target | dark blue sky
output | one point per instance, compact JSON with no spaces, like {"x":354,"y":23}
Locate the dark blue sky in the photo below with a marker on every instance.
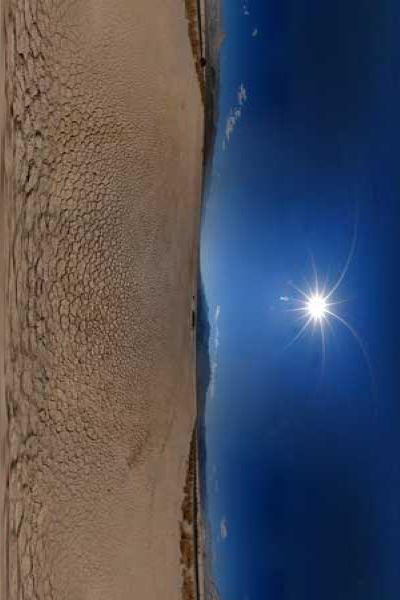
{"x":304,"y":458}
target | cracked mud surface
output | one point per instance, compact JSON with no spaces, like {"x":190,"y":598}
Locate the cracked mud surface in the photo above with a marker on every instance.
{"x":99,"y":208}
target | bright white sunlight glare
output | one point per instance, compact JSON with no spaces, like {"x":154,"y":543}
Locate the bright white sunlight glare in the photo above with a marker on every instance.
{"x":317,"y":307}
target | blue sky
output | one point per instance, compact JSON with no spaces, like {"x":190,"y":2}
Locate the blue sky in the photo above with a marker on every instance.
{"x":304,"y":457}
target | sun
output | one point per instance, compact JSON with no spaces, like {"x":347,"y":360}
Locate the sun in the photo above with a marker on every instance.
{"x":317,"y":307}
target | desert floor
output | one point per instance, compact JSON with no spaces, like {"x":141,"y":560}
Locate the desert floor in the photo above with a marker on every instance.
{"x":102,"y":129}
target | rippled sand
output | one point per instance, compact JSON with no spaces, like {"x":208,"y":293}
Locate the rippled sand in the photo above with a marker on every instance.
{"x":99,"y":213}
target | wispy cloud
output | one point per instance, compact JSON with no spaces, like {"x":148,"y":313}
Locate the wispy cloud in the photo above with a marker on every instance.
{"x":215,"y":341}
{"x":223,"y":529}
{"x":245,"y":7}
{"x":231,"y":121}
{"x":216,"y":317}
{"x":235,"y":114}
{"x":254,"y":33}
{"x":241,"y":95}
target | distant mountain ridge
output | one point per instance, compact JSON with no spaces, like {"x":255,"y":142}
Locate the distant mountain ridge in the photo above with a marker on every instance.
{"x":214,"y":38}
{"x":204,"y":373}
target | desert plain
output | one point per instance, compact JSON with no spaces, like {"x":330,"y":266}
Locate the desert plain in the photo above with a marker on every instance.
{"x":101,"y":167}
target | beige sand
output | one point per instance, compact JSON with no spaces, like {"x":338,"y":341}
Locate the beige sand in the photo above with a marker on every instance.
{"x":99,"y":217}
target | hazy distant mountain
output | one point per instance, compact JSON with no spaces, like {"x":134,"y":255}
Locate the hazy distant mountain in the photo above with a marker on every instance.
{"x":214,"y":39}
{"x":212,"y":592}
{"x":203,"y":353}
{"x":203,"y":382}
{"x":215,"y":31}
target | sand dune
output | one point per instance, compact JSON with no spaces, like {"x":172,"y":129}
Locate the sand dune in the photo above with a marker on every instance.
{"x":101,"y":177}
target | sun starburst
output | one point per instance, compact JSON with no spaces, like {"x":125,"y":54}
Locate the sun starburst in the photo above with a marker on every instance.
{"x":317,"y":306}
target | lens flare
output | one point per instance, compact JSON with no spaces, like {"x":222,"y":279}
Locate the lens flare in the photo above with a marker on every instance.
{"x":317,"y":306}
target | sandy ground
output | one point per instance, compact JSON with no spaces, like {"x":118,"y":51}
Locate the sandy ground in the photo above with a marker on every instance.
{"x":101,"y":177}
